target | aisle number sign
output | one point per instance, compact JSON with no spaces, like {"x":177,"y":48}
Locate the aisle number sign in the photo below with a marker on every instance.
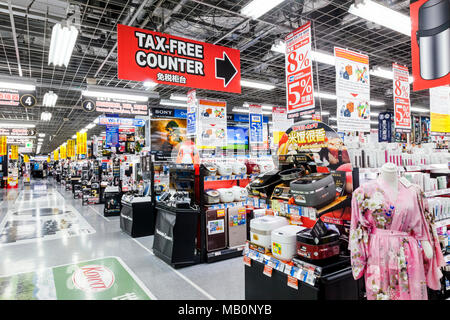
{"x":401,"y":98}
{"x":3,"y":146}
{"x":299,"y":80}
{"x":71,"y":148}
{"x":14,"y":152}
{"x":63,"y":152}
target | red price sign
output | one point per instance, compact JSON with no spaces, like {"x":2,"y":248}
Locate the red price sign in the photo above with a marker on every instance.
{"x":401,"y":98}
{"x":299,"y":80}
{"x":268,"y":270}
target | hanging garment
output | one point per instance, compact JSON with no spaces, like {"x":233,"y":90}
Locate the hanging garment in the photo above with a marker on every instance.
{"x":384,"y":245}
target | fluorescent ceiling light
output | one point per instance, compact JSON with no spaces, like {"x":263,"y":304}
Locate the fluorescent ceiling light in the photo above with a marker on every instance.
{"x":41,"y":135}
{"x":373,"y":122}
{"x":324,"y":113}
{"x":74,"y":136}
{"x":16,"y":125}
{"x":325,"y":95}
{"x":83,"y":130}
{"x":376,"y":103}
{"x":319,"y":56}
{"x":17,"y":86}
{"x":40,"y":139}
{"x":62,"y":44}
{"x":417,"y":109}
{"x":179,"y":97}
{"x":384,"y":73}
{"x":257,"y":84}
{"x":90,"y":126}
{"x":240,"y":110}
{"x":307,"y":116}
{"x":165,"y":102}
{"x":263,"y":106}
{"x":50,"y":99}
{"x":382,"y":15}
{"x":114,"y":95}
{"x":332,"y":118}
{"x":46,"y":116}
{"x":256,"y":8}
{"x":149,"y":84}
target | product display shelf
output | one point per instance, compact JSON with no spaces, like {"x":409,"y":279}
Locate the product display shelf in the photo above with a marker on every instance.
{"x":226,"y":205}
{"x":223,"y":178}
{"x":442,"y":223}
{"x":227,"y":253}
{"x":440,"y":192}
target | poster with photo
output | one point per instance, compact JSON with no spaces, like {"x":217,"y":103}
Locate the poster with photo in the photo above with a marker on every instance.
{"x":166,"y":135}
{"x":212,"y":124}
{"x":352,"y":90}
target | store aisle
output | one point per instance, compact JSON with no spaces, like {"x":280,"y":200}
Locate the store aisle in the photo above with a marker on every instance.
{"x":42,"y":226}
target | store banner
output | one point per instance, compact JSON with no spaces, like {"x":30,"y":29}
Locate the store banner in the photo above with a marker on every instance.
{"x":70,"y":148}
{"x":352,"y":90}
{"x":63,"y":152}
{"x":385,"y":127}
{"x":440,"y":110}
{"x":212,"y":124}
{"x":148,"y":55}
{"x":430,"y":37}
{"x":191,"y":129}
{"x":256,"y":124}
{"x":56,"y":155}
{"x":17,"y":132}
{"x":280,"y":123}
{"x":117,"y":106}
{"x":14,"y":152}
{"x":81,"y":143}
{"x":116,"y":121}
{"x":26,"y":159}
{"x":3,"y":146}
{"x":402,"y":104}
{"x":15,"y":98}
{"x":112,"y":136}
{"x":299,"y":76}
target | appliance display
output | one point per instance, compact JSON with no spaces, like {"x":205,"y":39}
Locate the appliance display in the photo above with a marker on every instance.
{"x":284,"y":242}
{"x":225,"y":169}
{"x":264,"y":184}
{"x":261,"y":229}
{"x":239,"y":168}
{"x":240,"y":194}
{"x":311,"y":247}
{"x":226,"y":195}
{"x":216,"y":236}
{"x":237,"y":226}
{"x":212,"y":196}
{"x":314,"y":190}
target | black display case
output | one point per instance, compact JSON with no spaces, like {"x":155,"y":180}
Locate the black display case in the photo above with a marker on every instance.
{"x":137,"y":216}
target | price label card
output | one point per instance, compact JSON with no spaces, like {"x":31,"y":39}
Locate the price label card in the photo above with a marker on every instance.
{"x":268,"y":270}
{"x":247,"y":261}
{"x":292,"y":282}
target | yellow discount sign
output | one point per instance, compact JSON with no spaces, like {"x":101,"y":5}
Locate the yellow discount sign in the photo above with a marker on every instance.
{"x":63,"y":152}
{"x":71,"y":148}
{"x":3,"y":146}
{"x":56,"y":155}
{"x":26,"y":159}
{"x":81,"y":142}
{"x":14,"y":152}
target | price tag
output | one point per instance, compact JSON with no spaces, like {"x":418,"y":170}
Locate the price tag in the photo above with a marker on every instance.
{"x":268,"y":270}
{"x":296,"y":219}
{"x":292,"y":282}
{"x":247,"y":261}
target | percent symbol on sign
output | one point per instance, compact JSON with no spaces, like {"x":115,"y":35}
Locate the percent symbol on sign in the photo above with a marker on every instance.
{"x":306,"y":85}
{"x":302,"y":59}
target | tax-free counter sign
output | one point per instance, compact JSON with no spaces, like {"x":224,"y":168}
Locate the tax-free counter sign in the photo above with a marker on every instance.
{"x":145,"y":55}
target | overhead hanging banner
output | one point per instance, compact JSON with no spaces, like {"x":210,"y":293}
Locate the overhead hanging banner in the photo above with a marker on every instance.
{"x":145,"y":55}
{"x":401,"y":98}
{"x":280,"y":123}
{"x":352,"y":90}
{"x":110,"y":105}
{"x":15,"y":98}
{"x":26,"y":158}
{"x":81,"y":143}
{"x":212,"y":124}
{"x":14,"y":152}
{"x":440,"y":110}
{"x":299,"y":77}
{"x":70,"y":148}
{"x":430,"y":38}
{"x":63,"y":152}
{"x":17,"y":132}
{"x":385,"y":127}
{"x":256,"y":124}
{"x":3,"y":146}
{"x":191,"y":128}
{"x":56,"y":155}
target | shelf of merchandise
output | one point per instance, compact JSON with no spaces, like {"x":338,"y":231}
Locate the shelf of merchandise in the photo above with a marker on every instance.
{"x":224,"y":178}
{"x":425,"y":167}
{"x":226,"y":205}
{"x":436,"y":193}
{"x":224,"y":254}
{"x":442,"y":223}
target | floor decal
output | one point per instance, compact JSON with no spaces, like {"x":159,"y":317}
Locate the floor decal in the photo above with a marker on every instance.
{"x":100,"y":279}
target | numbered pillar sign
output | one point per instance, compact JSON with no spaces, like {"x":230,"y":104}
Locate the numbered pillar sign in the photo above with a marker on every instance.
{"x":27,"y":100}
{"x":88,"y":105}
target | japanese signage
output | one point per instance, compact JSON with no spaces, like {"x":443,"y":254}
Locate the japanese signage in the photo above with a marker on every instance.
{"x":430,"y":55}
{"x":440,"y":110}
{"x":63,"y":152}
{"x":385,"y":127}
{"x":120,"y":106}
{"x":15,"y":98}
{"x":401,"y":98}
{"x":112,"y":121}
{"x":191,"y":113}
{"x":112,"y":136}
{"x":147,"y":55}
{"x":56,"y":155}
{"x":212,"y":124}
{"x":256,"y":124}
{"x":81,"y":143}
{"x":280,"y":123}
{"x":352,"y":90}
{"x":14,"y":152}
{"x":26,"y":159}
{"x":299,"y":80}
{"x":3,"y":146}
{"x":70,"y":148}
{"x":100,"y":279}
{"x":17,"y":132}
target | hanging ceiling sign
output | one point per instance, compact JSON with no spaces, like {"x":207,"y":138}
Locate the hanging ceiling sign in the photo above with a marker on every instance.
{"x":401,"y":98}
{"x":145,"y":55}
{"x":111,"y":121}
{"x":109,"y":105}
{"x":15,"y":98}
{"x":17,"y":132}
{"x":440,"y":110}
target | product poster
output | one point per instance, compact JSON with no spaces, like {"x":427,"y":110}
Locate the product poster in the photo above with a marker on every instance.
{"x":256,"y":124}
{"x":299,"y":77}
{"x":401,"y":98}
{"x":425,"y":129}
{"x":112,"y":136}
{"x":280,"y":123}
{"x":430,"y":37}
{"x":166,"y":135}
{"x":385,"y":127}
{"x":440,"y":110}
{"x":212,"y":124}
{"x":14,"y":152}
{"x":191,"y":129}
{"x":237,"y":137}
{"x":3,"y":146}
{"x":216,"y":226}
{"x":100,"y":279}
{"x":352,"y":90}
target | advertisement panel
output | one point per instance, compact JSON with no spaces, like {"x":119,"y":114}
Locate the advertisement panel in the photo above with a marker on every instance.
{"x":280,"y":123}
{"x":112,"y":105}
{"x":145,"y":55}
{"x":430,"y":38}
{"x":212,"y":124}
{"x":191,"y":113}
{"x":352,"y":90}
{"x":81,"y":143}
{"x":401,"y":98}
{"x":14,"y":152}
{"x":15,"y":98}
{"x":116,"y":121}
{"x":112,"y":136}
{"x":385,"y":127}
{"x":299,"y":79}
{"x":166,"y":136}
{"x":56,"y":155}
{"x":3,"y":146}
{"x":440,"y":110}
{"x":70,"y":148}
{"x":63,"y":152}
{"x":256,"y":124}
{"x":17,"y":132}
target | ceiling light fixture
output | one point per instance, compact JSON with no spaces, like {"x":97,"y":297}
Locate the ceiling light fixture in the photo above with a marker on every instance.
{"x":17,"y":86}
{"x":382,"y":15}
{"x":257,"y":8}
{"x":257,"y":84}
{"x":74,"y":136}
{"x":50,"y":99}
{"x":384,"y":73}
{"x":418,"y":109}
{"x":165,"y":102}
{"x":62,"y":43}
{"x":16,"y":125}
{"x":41,"y":135}
{"x":149,"y":84}
{"x":46,"y":116}
{"x":263,"y":106}
{"x":114,"y":95}
{"x":179,"y":97}
{"x":90,"y":126}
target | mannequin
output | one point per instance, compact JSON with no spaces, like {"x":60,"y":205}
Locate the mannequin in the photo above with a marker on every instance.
{"x":389,"y":174}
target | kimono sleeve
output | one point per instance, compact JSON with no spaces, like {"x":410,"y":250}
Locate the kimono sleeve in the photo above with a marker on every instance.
{"x":359,"y":235}
{"x":426,"y":231}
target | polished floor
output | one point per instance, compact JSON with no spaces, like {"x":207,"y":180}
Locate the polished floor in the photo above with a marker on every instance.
{"x":88,"y":235}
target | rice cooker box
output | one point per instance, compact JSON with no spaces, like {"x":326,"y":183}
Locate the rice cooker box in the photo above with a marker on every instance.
{"x":284,"y":242}
{"x":312,"y":248}
{"x":314,"y":190}
{"x":261,"y":229}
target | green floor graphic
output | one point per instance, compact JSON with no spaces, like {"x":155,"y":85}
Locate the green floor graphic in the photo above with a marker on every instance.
{"x":99,"y":279}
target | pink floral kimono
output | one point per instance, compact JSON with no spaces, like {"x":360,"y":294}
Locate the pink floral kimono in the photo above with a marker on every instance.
{"x":384,"y":244}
